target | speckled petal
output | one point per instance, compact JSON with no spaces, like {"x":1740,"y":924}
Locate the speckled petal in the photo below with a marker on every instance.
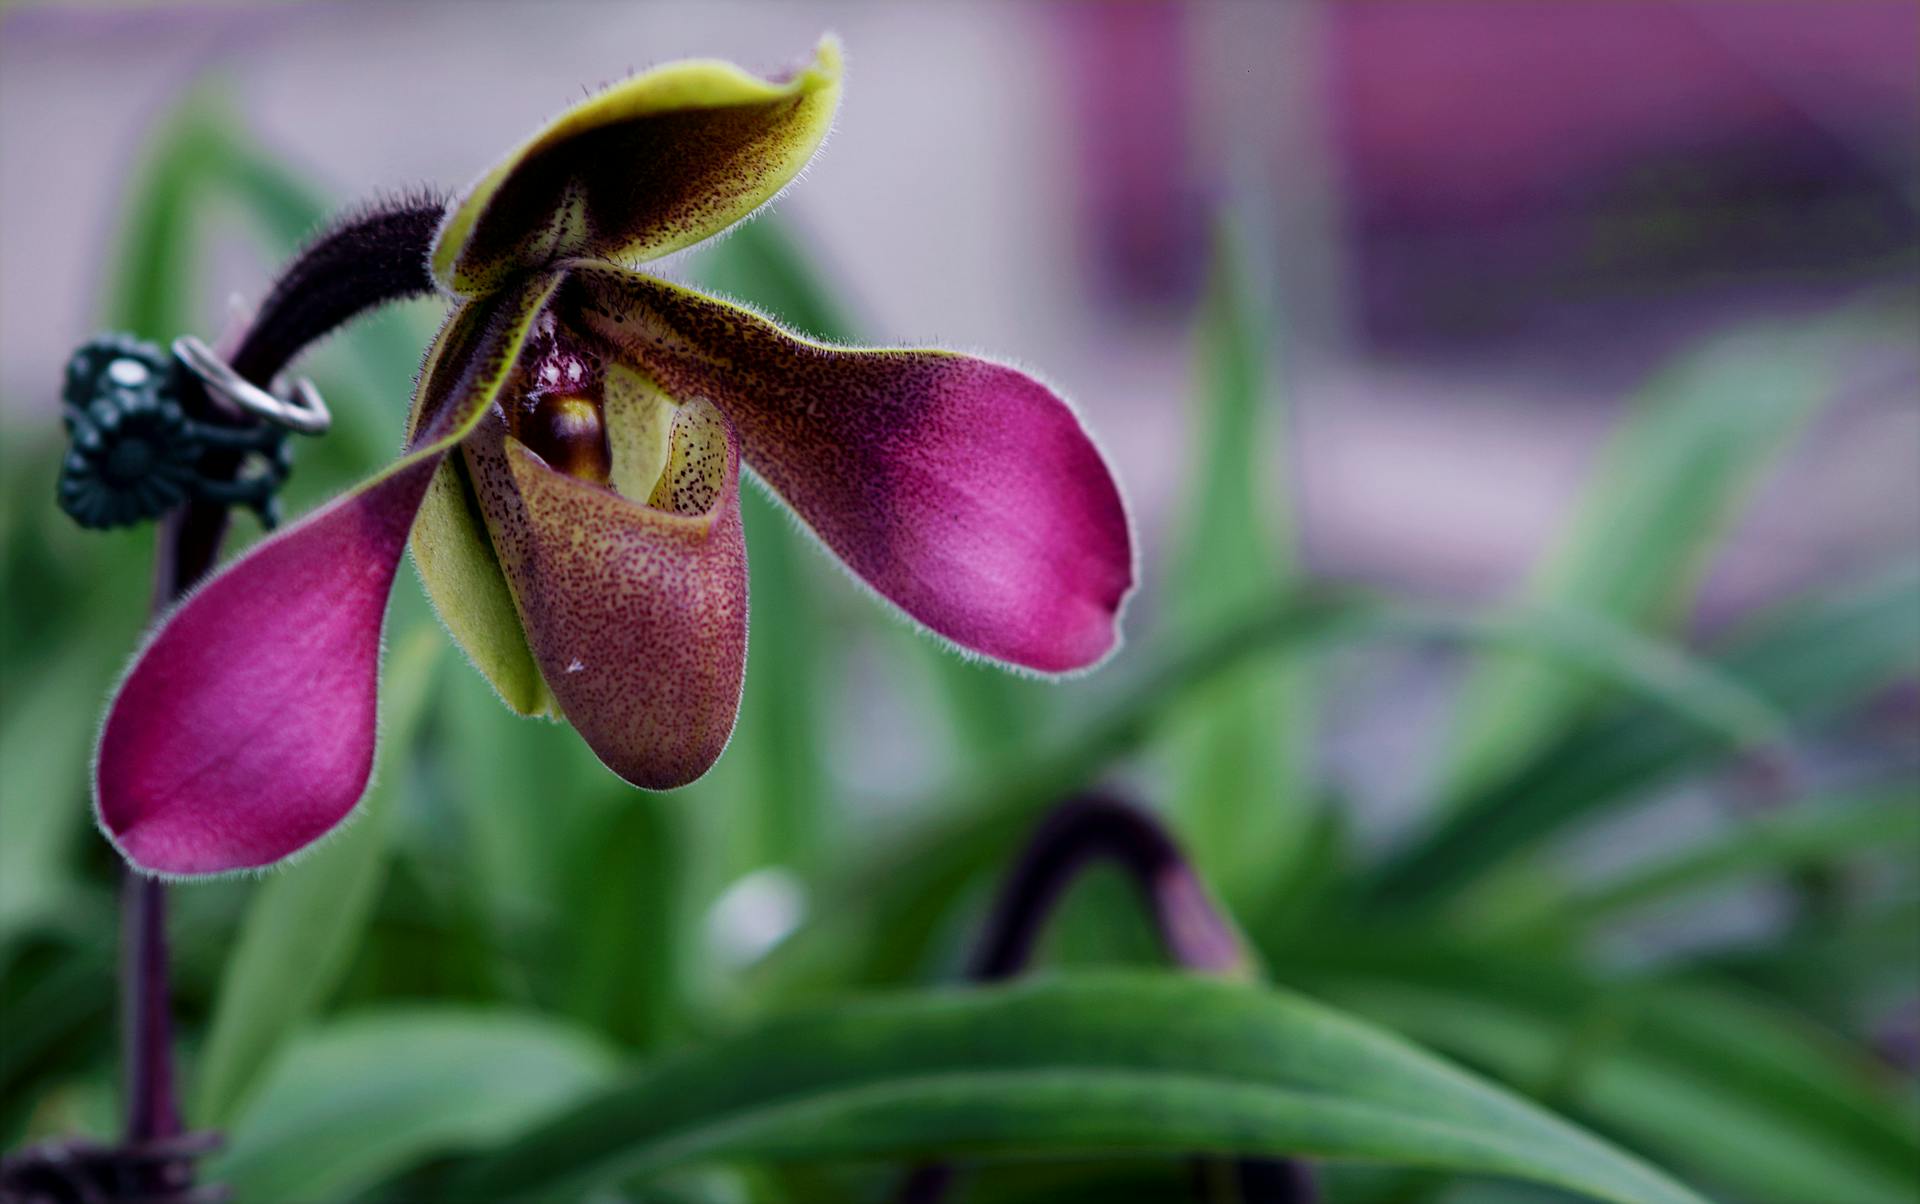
{"x":652,"y":164}
{"x":965,"y":491}
{"x":245,"y":729}
{"x":637,"y":613}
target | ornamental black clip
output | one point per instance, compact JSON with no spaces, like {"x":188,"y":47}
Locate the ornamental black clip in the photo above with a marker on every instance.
{"x":137,"y":452}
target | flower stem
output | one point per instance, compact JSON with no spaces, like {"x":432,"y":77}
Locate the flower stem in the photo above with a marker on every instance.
{"x":364,"y":261}
{"x":153,"y":1110}
{"x":1071,"y":839}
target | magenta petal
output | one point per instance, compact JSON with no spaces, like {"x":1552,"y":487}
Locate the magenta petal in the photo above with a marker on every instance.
{"x":965,"y":491}
{"x":245,"y":730}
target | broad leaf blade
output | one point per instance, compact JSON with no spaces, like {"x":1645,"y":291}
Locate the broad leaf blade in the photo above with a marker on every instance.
{"x":1133,"y":1063}
{"x":1704,"y":1078}
{"x":374,"y":1094}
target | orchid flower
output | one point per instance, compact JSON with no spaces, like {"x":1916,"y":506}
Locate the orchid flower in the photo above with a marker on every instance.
{"x":570,"y":492}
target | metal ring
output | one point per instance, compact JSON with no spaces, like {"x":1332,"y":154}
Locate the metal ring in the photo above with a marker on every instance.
{"x":305,"y":412}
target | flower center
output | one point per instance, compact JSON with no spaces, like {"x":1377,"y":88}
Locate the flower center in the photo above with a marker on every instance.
{"x":563,"y":417}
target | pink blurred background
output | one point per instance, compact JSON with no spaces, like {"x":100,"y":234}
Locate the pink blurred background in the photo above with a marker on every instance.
{"x":1487,"y":222}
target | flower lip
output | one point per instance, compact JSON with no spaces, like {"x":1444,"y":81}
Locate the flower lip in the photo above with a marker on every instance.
{"x":634,"y":608}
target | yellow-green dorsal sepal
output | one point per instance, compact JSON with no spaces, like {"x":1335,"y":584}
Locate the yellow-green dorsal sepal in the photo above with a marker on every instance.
{"x":654,"y":163}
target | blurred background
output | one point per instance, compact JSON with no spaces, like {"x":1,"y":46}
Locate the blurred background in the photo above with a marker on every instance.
{"x":1564,"y":357}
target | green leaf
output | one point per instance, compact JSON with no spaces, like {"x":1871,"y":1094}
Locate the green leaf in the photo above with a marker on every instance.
{"x":305,"y":921}
{"x":373,"y":1094}
{"x":1812,"y":832}
{"x":1805,"y":660}
{"x":1709,"y":1080}
{"x":46,"y":749}
{"x":1827,"y":968}
{"x":782,"y":726}
{"x":504,"y":810}
{"x":1109,"y":1063}
{"x":627,"y":933}
{"x":882,"y":917}
{"x":1593,"y":650}
{"x":885,"y":918}
{"x":55,"y":1009}
{"x":1241,"y":746}
{"x":1666,"y":489}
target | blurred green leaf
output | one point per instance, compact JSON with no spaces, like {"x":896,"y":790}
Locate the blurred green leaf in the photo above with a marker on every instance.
{"x":1807,"y":659}
{"x":1813,"y":831}
{"x":1674,"y":475}
{"x":1741,"y":1092}
{"x":1592,"y":650}
{"x":782,"y":730}
{"x":370,"y":1095}
{"x":628,"y":933}
{"x":762,"y":263}
{"x":1835,"y":971}
{"x":511,"y":799}
{"x":885,"y":918}
{"x":1144,"y":1063}
{"x":56,"y":1009}
{"x":780,"y":800}
{"x":46,"y":750}
{"x":882,"y":915}
{"x":1241,"y":746}
{"x":305,"y":921}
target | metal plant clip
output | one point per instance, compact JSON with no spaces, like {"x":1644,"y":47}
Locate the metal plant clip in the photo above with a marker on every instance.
{"x":137,"y":452}
{"x":306,"y":412}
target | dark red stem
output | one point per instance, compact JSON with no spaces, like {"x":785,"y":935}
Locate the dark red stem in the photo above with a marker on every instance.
{"x":1072,"y":838}
{"x":153,"y":1112}
{"x":366,"y":259}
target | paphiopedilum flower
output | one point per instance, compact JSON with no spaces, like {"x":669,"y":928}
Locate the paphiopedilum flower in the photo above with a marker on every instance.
{"x":570,"y":490}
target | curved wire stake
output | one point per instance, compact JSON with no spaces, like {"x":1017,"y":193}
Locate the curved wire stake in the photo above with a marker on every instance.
{"x":306,"y":412}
